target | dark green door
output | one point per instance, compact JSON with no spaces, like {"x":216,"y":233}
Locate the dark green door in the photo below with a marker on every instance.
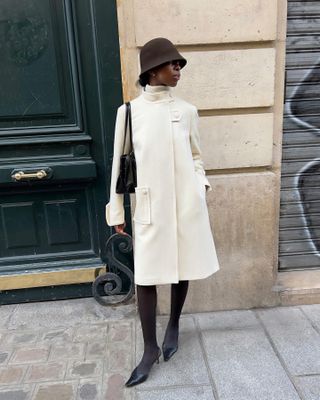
{"x":60,"y":85}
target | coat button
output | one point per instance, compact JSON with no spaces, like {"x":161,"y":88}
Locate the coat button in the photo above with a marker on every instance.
{"x":145,"y":191}
{"x":175,"y":115}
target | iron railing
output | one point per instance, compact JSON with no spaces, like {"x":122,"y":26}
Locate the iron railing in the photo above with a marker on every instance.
{"x":111,"y":283}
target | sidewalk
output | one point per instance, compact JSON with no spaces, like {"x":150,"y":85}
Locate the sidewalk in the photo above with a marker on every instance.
{"x":77,"y":349}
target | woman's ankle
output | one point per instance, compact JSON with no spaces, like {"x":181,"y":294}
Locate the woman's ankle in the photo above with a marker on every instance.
{"x":173,"y":324}
{"x":151,"y":348}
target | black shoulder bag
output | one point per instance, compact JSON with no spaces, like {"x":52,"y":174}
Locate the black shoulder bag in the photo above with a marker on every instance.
{"x":127,"y":179}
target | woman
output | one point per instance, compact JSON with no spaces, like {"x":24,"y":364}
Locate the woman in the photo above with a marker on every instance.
{"x":173,"y":241}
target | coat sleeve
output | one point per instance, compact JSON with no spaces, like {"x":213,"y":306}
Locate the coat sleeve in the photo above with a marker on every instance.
{"x":114,"y":211}
{"x":196,"y":150}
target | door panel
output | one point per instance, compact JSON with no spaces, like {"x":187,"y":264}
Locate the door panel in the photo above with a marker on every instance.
{"x":45,"y":225}
{"x":38,"y":67}
{"x":62,"y":83}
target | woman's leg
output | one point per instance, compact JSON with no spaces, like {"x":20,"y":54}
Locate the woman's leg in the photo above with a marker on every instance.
{"x":178,"y":295}
{"x":147,"y":303}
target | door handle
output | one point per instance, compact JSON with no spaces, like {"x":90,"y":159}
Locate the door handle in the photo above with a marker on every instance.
{"x":21,"y":175}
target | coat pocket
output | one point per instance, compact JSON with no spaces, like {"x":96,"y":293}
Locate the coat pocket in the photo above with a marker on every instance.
{"x":142,"y":212}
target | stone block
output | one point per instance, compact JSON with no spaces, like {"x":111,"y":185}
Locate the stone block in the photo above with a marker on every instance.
{"x":120,"y":332}
{"x":119,"y":358}
{"x":295,"y":338}
{"x":309,"y":386}
{"x":57,"y":335}
{"x":11,"y":374}
{"x":67,"y":350}
{"x":46,"y":372}
{"x":29,"y":355}
{"x":89,"y":333}
{"x":312,"y":311}
{"x":243,"y":222}
{"x":89,"y":390}
{"x":84,"y":369}
{"x":236,"y":141}
{"x":228,"y":78}
{"x":17,"y":338}
{"x":4,"y":357}
{"x":61,"y":391}
{"x":114,"y":389}
{"x":96,"y":350}
{"x":16,"y":393}
{"x":6,"y":312}
{"x":233,"y":319}
{"x":205,"y":22}
{"x":243,"y":363}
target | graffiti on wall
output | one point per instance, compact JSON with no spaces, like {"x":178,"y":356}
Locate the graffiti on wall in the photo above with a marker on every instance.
{"x":299,"y":245}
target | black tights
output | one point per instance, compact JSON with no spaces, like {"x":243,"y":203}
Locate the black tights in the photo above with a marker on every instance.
{"x":178,"y":295}
{"x":147,"y":304}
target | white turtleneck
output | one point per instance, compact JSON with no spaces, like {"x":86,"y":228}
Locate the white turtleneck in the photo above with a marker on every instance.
{"x":157,"y":93}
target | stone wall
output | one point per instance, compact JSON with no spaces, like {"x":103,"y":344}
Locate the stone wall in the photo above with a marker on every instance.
{"x":235,"y":76}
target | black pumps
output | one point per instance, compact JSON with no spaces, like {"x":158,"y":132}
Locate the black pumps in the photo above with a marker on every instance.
{"x":137,"y":377}
{"x":168,"y":352}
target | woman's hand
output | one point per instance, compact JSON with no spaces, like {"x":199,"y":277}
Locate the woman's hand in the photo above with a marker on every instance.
{"x":120,"y":229}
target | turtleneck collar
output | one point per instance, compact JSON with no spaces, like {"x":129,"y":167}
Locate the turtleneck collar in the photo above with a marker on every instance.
{"x":157,"y":93}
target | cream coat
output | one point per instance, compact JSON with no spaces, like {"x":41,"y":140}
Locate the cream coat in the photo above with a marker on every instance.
{"x":172,"y":235}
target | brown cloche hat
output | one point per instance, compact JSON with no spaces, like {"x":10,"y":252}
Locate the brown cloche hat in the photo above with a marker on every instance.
{"x":158,"y":51}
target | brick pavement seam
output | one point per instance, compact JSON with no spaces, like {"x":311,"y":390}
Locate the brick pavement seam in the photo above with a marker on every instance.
{"x":102,"y":388}
{"x":10,"y":351}
{"x":278,"y":355}
{"x":66,"y":370}
{"x":302,"y":376}
{"x":78,"y":389}
{"x":25,"y":373}
{"x":200,"y":337}
{"x":11,"y":315}
{"x":32,"y":392}
{"x":182,"y":386}
{"x":105,"y":364}
{"x":11,"y":355}
{"x":314,"y":326}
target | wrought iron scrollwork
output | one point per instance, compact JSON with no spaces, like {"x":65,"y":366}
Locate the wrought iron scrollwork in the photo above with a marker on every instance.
{"x":111,"y":282}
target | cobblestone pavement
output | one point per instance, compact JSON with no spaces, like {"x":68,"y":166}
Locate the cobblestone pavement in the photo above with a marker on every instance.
{"x":61,"y":350}
{"x":77,"y":349}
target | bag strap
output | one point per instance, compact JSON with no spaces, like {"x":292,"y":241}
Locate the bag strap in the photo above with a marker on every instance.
{"x":128,"y":119}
